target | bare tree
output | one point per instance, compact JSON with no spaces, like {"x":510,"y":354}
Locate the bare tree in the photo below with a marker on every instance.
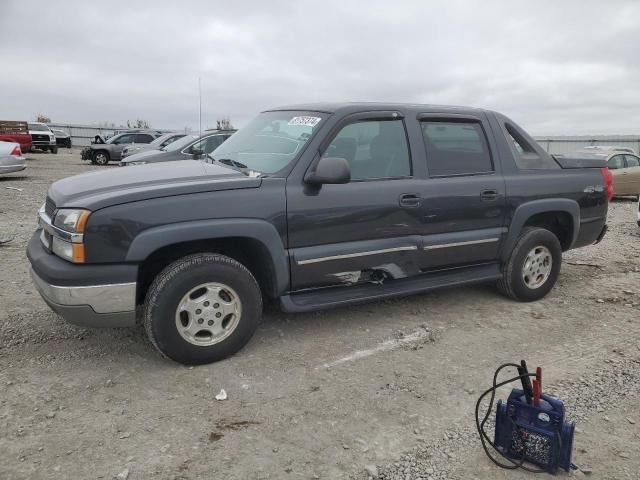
{"x":138,"y":123}
{"x":224,"y":123}
{"x":41,"y":118}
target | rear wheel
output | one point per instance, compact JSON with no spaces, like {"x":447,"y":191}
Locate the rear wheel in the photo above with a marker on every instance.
{"x":100,"y":157}
{"x":533,"y":266}
{"x":202,"y":308}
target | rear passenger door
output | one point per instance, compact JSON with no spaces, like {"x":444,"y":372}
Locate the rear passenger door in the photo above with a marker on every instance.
{"x":463,"y":196}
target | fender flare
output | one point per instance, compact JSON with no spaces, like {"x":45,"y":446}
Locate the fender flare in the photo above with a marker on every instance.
{"x":155,"y":238}
{"x":525,"y":211}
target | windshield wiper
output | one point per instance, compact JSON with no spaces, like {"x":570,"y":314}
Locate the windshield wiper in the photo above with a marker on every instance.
{"x":234,"y":164}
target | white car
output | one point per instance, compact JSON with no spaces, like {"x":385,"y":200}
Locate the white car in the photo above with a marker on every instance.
{"x":11,"y":159}
{"x":42,"y":137}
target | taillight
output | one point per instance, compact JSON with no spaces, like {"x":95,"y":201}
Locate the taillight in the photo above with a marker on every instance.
{"x":607,"y":176}
{"x":16,"y":152}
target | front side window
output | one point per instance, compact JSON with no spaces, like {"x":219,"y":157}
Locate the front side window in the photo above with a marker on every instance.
{"x":616,"y":162}
{"x":456,"y":148}
{"x":632,"y":161}
{"x":373,"y":148}
{"x":270,"y":141}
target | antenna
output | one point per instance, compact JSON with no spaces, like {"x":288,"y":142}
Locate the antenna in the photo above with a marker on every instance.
{"x":200,"y":97}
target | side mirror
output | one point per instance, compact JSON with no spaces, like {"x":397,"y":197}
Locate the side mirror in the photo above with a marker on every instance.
{"x":330,"y":170}
{"x":197,"y":153}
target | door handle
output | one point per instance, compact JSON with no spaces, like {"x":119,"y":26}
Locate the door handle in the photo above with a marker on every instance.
{"x":488,"y":195}
{"x":409,"y":200}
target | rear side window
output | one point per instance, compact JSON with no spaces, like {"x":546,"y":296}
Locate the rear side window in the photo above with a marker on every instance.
{"x":456,"y":148}
{"x":143,"y":138}
{"x":632,"y":161}
{"x":524,"y":153}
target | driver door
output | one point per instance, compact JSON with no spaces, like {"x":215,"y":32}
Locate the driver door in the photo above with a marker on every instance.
{"x":118,"y":146}
{"x":363,"y":230}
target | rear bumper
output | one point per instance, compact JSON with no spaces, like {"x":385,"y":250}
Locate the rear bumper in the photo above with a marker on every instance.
{"x":17,"y":164}
{"x":85,"y":295}
{"x":602,"y":234}
{"x":592,"y":230}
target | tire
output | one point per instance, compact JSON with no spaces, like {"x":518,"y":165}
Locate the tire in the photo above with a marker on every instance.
{"x":100,"y":157}
{"x":529,"y":284}
{"x":168,"y":304}
{"x":54,"y":150}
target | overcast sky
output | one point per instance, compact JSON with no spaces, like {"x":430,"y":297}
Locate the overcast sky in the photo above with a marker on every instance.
{"x":554,"y":67}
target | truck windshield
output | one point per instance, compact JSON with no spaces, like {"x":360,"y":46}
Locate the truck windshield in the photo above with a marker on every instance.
{"x":270,"y":141}
{"x":36,"y":127}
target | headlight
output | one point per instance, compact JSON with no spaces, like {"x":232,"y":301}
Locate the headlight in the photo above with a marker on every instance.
{"x":74,"y":222}
{"x":71,"y":220}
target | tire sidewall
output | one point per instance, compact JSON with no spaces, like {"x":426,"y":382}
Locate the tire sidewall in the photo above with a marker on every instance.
{"x":101,"y":152}
{"x":160,"y":310}
{"x":530,"y":240}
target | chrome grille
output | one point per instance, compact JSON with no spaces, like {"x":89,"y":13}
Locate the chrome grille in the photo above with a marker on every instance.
{"x":49,"y":207}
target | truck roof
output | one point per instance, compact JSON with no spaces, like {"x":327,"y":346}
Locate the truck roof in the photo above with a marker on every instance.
{"x":354,"y":107}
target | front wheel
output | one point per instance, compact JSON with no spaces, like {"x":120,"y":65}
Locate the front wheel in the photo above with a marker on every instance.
{"x":54,"y":150}
{"x":202,"y":308}
{"x":533,"y":266}
{"x":100,"y":158}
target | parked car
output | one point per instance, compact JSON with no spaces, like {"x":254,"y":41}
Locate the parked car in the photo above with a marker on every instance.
{"x":16,"y":131}
{"x":607,"y":148}
{"x":189,"y":147}
{"x":625,"y":167}
{"x":158,"y":144}
{"x":317,"y":206}
{"x":42,"y":137}
{"x":111,"y":149}
{"x":11,"y":159}
{"x":63,"y":139}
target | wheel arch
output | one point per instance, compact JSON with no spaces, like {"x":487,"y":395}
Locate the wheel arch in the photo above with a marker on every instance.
{"x":559,"y":215}
{"x":254,"y":243}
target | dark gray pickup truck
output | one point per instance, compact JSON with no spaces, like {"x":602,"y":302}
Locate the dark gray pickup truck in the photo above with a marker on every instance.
{"x":315,"y":206}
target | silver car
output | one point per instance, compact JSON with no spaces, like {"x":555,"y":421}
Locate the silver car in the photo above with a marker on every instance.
{"x":103,"y":153}
{"x":158,"y":144}
{"x":11,"y":159}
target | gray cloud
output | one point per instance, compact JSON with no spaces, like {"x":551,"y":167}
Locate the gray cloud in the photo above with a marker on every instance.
{"x":556,"y":67}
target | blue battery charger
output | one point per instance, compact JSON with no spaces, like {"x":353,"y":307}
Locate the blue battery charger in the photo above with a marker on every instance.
{"x":539,"y":434}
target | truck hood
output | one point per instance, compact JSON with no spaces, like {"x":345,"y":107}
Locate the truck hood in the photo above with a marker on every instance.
{"x":115,"y":186}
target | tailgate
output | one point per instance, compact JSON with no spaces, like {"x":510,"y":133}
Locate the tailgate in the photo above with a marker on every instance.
{"x":582,"y":160}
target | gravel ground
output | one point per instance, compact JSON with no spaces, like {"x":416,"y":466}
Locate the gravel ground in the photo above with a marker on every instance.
{"x":383,"y":390}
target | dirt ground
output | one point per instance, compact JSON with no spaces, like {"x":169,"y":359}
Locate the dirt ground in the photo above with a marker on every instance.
{"x":384,"y":389}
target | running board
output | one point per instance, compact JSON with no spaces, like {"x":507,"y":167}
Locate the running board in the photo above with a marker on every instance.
{"x":331,"y":297}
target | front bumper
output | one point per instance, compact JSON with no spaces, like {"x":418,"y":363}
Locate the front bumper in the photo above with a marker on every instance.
{"x":85,"y":295}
